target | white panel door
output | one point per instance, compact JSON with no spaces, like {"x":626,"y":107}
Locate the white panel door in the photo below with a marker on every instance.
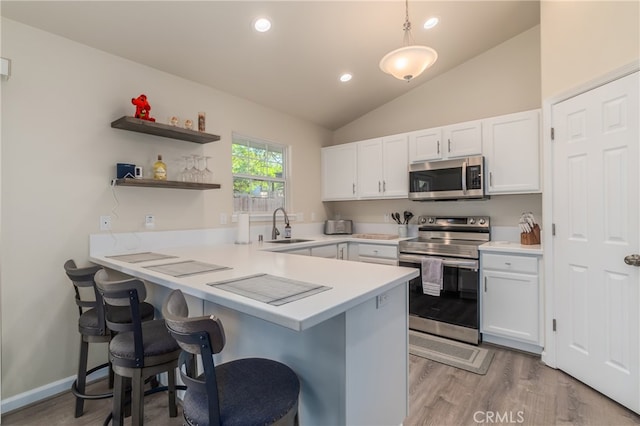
{"x":339,"y":172}
{"x":395,"y":183}
{"x":370,"y":169}
{"x":596,"y":215}
{"x":425,"y":145}
{"x":463,"y":139}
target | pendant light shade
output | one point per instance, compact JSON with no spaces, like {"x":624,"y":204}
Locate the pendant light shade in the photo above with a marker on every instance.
{"x":410,"y":60}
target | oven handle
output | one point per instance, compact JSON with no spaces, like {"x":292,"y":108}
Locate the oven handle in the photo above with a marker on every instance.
{"x":446,"y":261}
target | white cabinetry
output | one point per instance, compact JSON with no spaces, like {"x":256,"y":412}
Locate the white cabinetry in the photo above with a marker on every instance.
{"x":511,"y":146}
{"x":339,"y":172}
{"x":378,"y":253}
{"x":510,"y":304}
{"x":456,"y":140}
{"x":383,"y":167}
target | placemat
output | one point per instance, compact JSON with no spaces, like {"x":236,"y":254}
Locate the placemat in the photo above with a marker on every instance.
{"x":140,"y":257}
{"x":270,"y":289}
{"x":186,"y":268}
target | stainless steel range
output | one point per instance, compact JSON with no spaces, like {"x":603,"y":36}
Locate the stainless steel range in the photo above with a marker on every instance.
{"x":454,"y":312}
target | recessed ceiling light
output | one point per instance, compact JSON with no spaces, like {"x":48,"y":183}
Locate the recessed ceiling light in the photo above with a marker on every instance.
{"x":262,"y":25}
{"x":345,"y":77}
{"x":431,"y":22}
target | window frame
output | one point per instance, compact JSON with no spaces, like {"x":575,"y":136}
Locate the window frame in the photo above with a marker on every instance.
{"x":285,"y":179}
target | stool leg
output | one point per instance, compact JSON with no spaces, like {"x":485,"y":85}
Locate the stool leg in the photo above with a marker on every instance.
{"x":137,"y":398}
{"x":118,"y":401}
{"x":173,"y":408}
{"x":82,"y":376}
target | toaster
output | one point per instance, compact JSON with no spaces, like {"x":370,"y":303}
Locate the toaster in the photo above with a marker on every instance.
{"x":333,"y":227}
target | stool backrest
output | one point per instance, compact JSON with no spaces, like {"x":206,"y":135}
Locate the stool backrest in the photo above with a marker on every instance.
{"x":124,"y":292}
{"x":202,"y":336}
{"x":85,"y":278}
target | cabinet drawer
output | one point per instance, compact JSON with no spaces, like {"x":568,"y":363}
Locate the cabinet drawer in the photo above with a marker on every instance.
{"x":377,"y":250}
{"x":502,"y":262}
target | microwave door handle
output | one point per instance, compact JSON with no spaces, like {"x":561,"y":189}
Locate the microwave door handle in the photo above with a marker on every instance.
{"x":464,"y":177}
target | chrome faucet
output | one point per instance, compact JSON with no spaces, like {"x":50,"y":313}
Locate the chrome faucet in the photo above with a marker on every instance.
{"x":274,"y":231}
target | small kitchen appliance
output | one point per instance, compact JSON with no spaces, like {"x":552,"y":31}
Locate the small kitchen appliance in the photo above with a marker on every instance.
{"x":460,"y":178}
{"x":454,"y":312}
{"x":337,"y":227}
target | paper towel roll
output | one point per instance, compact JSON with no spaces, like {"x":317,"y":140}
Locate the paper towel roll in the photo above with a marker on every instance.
{"x":243,"y":228}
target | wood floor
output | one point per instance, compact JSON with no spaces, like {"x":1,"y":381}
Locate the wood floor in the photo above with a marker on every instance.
{"x":517,"y":389}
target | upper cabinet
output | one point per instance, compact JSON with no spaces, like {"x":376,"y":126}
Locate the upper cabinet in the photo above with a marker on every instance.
{"x":383,"y":167}
{"x":456,"y":140}
{"x":511,"y":146}
{"x":339,"y":172}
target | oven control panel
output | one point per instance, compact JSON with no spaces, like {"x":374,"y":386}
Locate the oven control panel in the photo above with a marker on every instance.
{"x":454,"y":222}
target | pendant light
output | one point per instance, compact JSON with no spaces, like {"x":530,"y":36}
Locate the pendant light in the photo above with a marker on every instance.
{"x":410,"y":60}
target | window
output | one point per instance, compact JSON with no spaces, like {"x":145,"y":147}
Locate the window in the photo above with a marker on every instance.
{"x":259,"y":175}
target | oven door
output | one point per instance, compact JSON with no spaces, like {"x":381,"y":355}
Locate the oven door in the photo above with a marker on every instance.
{"x":455,"y":312}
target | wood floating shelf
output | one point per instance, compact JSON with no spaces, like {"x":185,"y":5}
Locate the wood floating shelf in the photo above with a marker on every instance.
{"x":158,"y":129}
{"x":153,"y":183}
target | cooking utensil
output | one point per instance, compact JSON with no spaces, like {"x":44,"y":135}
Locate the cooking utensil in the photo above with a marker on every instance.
{"x":407,"y":217}
{"x":527,"y":222}
{"x":396,"y":216}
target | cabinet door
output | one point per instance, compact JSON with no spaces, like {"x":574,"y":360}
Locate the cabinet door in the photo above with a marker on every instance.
{"x":329,"y":251}
{"x":512,"y":153}
{"x":370,"y":169}
{"x":425,"y":145}
{"x":339,"y":171}
{"x":395,"y":183}
{"x":510,"y":306}
{"x":343,"y":251}
{"x":463,"y":139}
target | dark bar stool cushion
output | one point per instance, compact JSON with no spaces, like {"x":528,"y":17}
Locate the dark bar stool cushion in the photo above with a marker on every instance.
{"x":252,"y":391}
{"x":157,"y":341}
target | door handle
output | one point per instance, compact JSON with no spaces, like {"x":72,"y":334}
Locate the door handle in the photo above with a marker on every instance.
{"x":632,"y":259}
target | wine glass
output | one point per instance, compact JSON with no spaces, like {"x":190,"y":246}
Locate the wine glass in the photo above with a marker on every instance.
{"x":194,"y":168}
{"x":207,"y":175}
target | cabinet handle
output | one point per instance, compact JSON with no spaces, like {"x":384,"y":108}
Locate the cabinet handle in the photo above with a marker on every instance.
{"x":490,"y":179}
{"x":485,"y":284}
{"x":384,"y":186}
{"x":438,"y":147}
{"x":354,"y":188}
{"x":449,"y":145}
{"x":507,"y":263}
{"x":342,"y":253}
{"x":379,"y":189}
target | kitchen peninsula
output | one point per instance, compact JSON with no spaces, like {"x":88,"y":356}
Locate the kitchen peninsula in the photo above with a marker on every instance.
{"x":347,"y":343}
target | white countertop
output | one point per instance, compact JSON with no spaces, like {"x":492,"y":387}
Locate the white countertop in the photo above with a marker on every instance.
{"x":351,"y":282}
{"x":511,"y":247}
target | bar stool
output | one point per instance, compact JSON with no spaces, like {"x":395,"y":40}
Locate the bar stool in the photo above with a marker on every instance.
{"x":249,"y":391}
{"x":138,"y":350}
{"x":93,"y":328}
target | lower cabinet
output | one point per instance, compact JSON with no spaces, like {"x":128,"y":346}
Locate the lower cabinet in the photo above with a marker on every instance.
{"x":511,"y":299}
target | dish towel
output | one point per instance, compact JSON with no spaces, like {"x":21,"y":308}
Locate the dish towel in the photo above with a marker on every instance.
{"x":431,"y":276}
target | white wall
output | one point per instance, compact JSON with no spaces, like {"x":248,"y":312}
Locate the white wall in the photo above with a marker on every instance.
{"x":583,"y":40}
{"x":58,"y":155}
{"x":502,"y":80}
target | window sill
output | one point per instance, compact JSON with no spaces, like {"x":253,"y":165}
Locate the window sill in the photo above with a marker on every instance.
{"x":265,"y":217}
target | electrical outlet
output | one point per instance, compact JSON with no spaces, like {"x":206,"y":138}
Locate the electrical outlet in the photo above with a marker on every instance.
{"x":105,"y":223}
{"x":149,"y":221}
{"x":313,"y":216}
{"x":386,"y":218}
{"x":223,"y":218}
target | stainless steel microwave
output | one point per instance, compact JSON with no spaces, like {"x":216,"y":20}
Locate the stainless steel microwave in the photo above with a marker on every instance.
{"x":461,"y":178}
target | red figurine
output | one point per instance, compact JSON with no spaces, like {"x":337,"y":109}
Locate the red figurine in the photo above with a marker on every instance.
{"x":142,"y":108}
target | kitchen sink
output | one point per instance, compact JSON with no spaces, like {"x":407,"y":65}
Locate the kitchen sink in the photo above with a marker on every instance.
{"x":288,"y":241}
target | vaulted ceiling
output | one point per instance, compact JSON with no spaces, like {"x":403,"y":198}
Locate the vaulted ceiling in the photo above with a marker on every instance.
{"x":295,"y":67}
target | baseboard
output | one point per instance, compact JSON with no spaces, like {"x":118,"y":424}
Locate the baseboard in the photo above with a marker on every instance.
{"x":43,"y":392}
{"x":513,"y":344}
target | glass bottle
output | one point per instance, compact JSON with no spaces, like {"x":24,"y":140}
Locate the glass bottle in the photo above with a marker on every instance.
{"x":159,"y":169}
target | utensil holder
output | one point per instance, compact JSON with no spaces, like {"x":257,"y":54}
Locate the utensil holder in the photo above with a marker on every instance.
{"x":530,"y":238}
